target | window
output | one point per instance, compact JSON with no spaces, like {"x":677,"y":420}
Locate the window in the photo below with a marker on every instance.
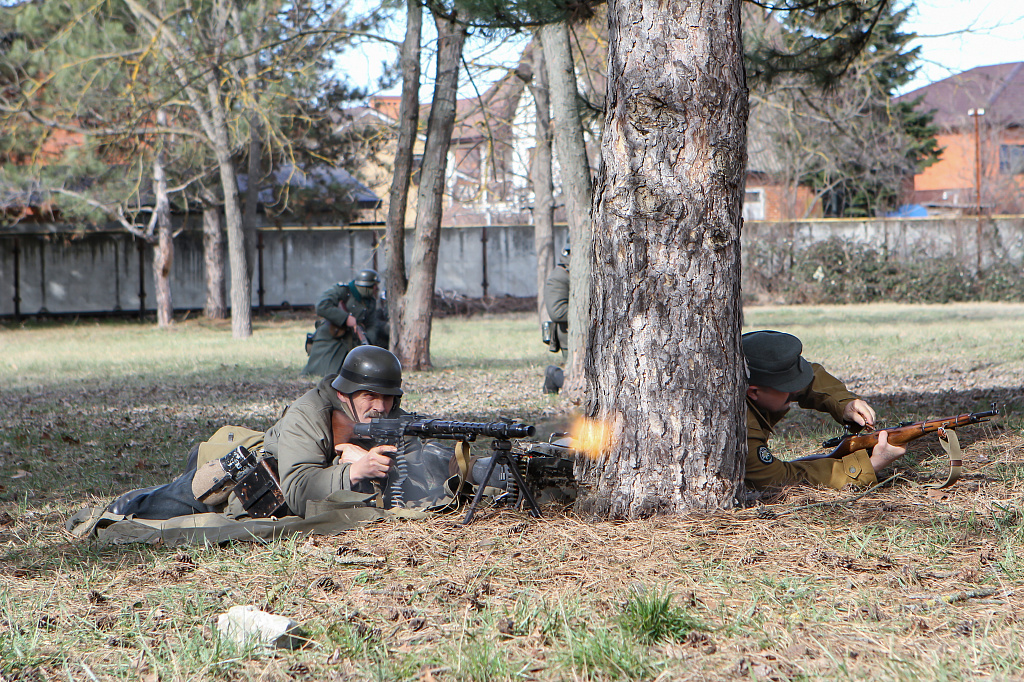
{"x":1011,"y":159}
{"x":753,"y":204}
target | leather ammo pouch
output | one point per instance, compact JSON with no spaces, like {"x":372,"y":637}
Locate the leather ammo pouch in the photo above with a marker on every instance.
{"x":259,"y":490}
{"x":255,"y":484}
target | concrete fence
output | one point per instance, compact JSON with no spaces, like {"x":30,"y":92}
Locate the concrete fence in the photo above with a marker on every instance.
{"x":59,"y":272}
{"x":44,"y":269}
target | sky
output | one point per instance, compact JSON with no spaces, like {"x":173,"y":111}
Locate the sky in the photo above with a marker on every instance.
{"x":958,"y":35}
{"x":954,"y":35}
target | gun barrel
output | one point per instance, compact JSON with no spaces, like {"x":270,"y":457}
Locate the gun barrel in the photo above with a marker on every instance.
{"x":437,"y":428}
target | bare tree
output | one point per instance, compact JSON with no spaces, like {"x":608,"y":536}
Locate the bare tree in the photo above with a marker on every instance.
{"x":540,"y":176}
{"x":577,"y":189}
{"x":413,"y":347}
{"x":216,"y":307}
{"x":396,"y":281}
{"x":163,"y":251}
{"x":664,"y":365}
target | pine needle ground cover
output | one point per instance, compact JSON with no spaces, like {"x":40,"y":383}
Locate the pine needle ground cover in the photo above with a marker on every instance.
{"x":809,"y":585}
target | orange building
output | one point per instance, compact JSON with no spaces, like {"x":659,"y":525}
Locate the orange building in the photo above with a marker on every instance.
{"x":980,"y":116}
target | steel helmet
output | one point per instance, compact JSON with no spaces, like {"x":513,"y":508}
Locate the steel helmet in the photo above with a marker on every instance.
{"x":367,"y":278}
{"x":370,"y":368}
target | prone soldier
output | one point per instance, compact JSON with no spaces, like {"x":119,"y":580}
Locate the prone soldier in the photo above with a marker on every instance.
{"x":779,"y":376}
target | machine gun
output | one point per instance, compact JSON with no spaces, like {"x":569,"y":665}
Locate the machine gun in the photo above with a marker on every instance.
{"x":396,"y":431}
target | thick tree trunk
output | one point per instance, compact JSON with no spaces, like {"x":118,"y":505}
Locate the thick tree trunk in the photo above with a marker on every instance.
{"x":413,"y":348}
{"x":163,"y":250}
{"x":395,"y":281}
{"x":540,"y":177}
{"x":665,"y":364}
{"x":577,"y":191}
{"x":213,"y":257}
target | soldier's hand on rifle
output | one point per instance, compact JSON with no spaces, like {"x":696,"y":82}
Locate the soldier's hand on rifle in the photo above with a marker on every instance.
{"x":859,"y":412}
{"x":349,"y":453}
{"x":373,"y":464}
{"x":351,"y":321}
{"x":884,"y":454}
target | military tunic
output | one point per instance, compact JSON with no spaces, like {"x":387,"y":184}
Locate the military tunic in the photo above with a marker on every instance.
{"x":556,"y":300}
{"x":303,"y":441}
{"x":824,"y":394}
{"x":328,"y":352}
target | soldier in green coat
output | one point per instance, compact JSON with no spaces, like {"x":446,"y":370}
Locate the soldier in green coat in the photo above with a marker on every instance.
{"x":311,"y":465}
{"x":779,"y":376}
{"x":556,"y":300}
{"x":351,"y":314}
{"x":313,"y":461}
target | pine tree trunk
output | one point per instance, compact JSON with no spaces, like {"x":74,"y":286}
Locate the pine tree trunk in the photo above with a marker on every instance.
{"x":540,"y":177}
{"x":665,"y":364}
{"x":413,"y":348}
{"x":408,"y":119}
{"x":163,"y":250}
{"x":213,"y":257}
{"x":577,"y":190}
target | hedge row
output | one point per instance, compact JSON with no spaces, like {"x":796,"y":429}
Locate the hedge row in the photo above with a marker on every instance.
{"x":839,"y":271}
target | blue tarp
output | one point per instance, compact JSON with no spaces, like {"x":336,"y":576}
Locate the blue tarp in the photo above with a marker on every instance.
{"x":909,"y":211}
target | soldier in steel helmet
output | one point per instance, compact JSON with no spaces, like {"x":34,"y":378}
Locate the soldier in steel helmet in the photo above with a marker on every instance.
{"x":351,"y":314}
{"x":311,"y":463}
{"x":311,"y":466}
{"x":779,"y":376}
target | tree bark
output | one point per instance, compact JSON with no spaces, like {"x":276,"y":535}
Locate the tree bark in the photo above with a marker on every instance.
{"x":241,"y":294}
{"x":163,"y":250}
{"x":540,"y":176}
{"x":252,"y":192}
{"x":408,"y":119}
{"x":577,"y":190}
{"x":665,"y":365}
{"x":213,"y":257}
{"x":413,"y":347}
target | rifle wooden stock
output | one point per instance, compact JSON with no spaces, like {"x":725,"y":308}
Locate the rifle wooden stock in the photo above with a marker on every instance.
{"x":902,"y":434}
{"x":341,"y":427}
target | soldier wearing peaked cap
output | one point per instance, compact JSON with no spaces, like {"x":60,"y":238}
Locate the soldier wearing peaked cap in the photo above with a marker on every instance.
{"x":778,"y":376}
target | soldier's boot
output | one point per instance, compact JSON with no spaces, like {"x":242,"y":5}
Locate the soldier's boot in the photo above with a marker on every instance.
{"x":554,"y":377}
{"x":125,"y":503}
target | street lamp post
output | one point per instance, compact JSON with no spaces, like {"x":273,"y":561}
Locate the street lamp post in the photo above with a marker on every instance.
{"x":976,"y":114}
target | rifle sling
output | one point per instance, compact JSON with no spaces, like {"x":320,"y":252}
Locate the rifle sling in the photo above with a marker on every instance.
{"x":951,"y":444}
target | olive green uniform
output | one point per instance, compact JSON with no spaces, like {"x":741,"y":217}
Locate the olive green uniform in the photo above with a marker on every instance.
{"x":327,"y":351}
{"x":824,"y":394}
{"x":556,"y":300}
{"x":303,"y":442}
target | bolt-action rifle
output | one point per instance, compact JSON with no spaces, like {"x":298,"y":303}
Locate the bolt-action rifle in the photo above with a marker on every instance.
{"x":905,"y":432}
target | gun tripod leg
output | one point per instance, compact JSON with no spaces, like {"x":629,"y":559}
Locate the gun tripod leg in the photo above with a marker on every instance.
{"x":501,"y":454}
{"x":479,"y":492}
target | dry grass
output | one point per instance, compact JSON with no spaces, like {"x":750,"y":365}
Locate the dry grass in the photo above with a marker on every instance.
{"x":810,"y":585}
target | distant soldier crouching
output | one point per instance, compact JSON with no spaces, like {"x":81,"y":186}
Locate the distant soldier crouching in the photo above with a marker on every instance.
{"x":352,"y":314}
